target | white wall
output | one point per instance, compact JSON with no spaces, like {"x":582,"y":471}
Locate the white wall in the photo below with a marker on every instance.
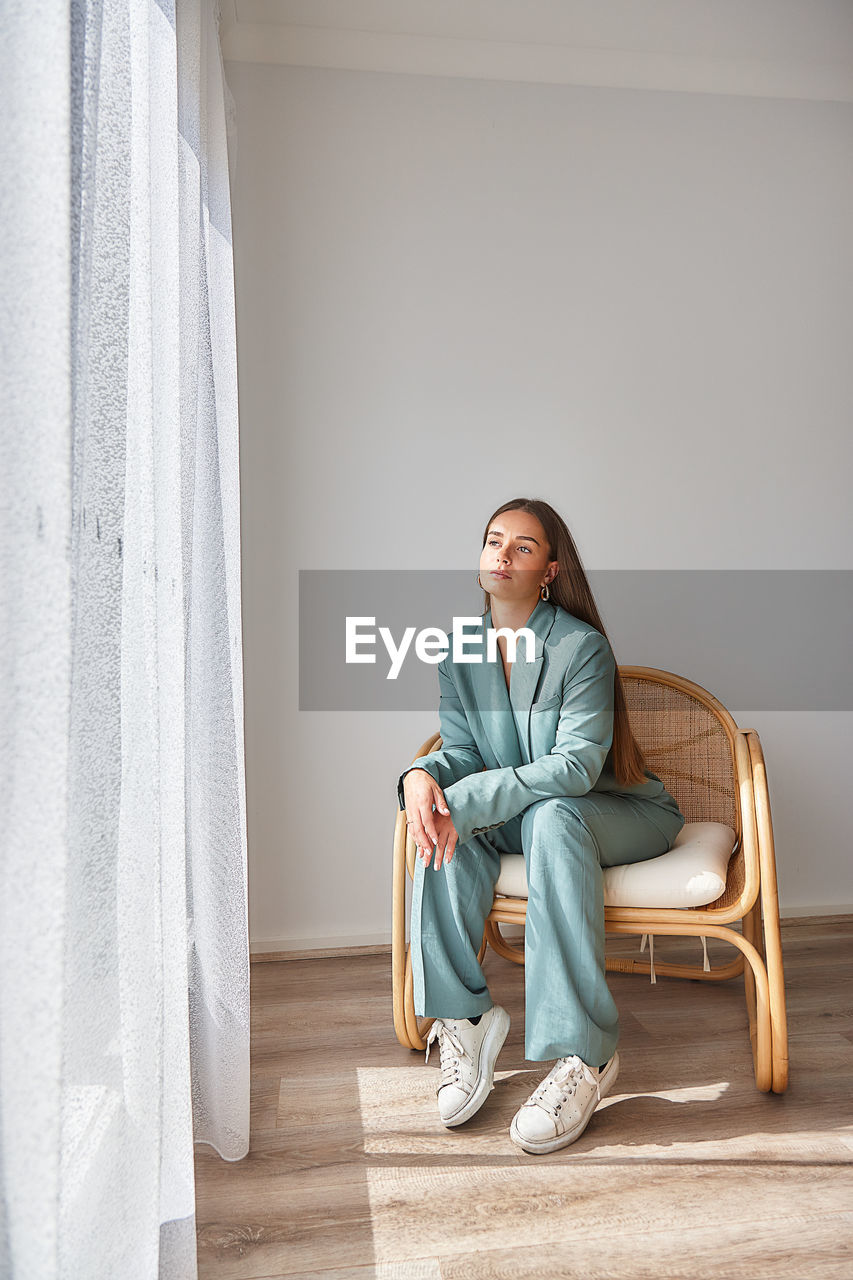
{"x":635,"y":304}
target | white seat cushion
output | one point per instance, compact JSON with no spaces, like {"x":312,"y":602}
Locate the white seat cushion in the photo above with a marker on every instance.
{"x":691,"y":874}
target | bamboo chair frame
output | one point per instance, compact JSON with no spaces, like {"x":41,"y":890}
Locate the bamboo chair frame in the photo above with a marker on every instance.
{"x":731,"y":786}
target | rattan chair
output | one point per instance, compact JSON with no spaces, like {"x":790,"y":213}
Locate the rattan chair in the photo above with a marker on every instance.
{"x":717,"y":774}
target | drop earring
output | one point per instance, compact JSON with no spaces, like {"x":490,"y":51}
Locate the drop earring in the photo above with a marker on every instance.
{"x":544,"y":592}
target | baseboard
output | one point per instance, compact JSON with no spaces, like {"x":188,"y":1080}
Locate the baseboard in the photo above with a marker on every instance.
{"x":322,"y":953}
{"x":806,"y":913}
{"x":377,"y":943}
{"x":363,"y":944}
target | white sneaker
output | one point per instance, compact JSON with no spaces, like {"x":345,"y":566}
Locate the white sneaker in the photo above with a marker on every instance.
{"x":468,"y":1055}
{"x":560,"y":1108}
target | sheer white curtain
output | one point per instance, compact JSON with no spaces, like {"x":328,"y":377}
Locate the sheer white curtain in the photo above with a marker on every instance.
{"x":124,"y":967}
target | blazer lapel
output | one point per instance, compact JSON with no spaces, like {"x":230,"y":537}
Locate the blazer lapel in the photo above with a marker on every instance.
{"x":492,"y":706}
{"x":524,"y":680}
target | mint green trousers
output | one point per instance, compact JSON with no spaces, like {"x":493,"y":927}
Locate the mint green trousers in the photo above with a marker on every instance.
{"x":566,"y":842}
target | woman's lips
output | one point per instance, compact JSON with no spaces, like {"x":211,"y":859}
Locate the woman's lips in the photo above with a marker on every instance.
{"x":498,"y":574}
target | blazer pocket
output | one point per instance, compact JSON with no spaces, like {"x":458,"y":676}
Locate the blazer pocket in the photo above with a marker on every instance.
{"x":547,"y":703}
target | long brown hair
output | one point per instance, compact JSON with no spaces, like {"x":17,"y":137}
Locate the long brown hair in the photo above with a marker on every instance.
{"x":572,"y":592}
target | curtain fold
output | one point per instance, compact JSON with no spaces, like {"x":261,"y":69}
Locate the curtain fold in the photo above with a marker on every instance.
{"x":124,"y":986}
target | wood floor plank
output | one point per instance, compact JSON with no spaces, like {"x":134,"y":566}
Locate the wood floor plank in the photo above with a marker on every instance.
{"x":685,"y":1170}
{"x":442,"y":1214}
{"x":264,"y":1101}
{"x":400,"y":1213}
{"x":818,"y":1250}
{"x":409,"y":1269}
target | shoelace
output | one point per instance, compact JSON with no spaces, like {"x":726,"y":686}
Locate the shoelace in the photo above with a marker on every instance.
{"x":451,"y":1049}
{"x":562,"y":1081}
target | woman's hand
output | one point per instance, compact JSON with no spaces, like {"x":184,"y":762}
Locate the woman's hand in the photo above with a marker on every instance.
{"x":445,"y":845}
{"x":421,"y":791}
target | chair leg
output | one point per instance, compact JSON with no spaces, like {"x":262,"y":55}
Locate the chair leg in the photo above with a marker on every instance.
{"x":755,"y":1016}
{"x":760,"y":1035}
{"x":752,"y":932}
{"x":416,"y":1028}
{"x":499,"y":943}
{"x":756,"y":989}
{"x":757,"y":992}
{"x":778,"y":1015}
{"x":772,"y":934}
{"x":481,"y":953}
{"x":399,"y":956}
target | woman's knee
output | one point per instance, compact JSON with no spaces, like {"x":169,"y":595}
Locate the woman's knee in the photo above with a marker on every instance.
{"x":556,"y":825}
{"x":554,"y":811}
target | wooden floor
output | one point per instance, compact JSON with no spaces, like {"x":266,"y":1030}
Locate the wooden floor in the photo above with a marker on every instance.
{"x":685,"y":1170}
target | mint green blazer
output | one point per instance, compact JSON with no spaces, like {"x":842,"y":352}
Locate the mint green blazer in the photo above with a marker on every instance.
{"x":550,"y":735}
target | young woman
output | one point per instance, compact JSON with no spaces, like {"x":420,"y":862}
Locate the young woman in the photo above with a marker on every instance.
{"x":537,"y":758}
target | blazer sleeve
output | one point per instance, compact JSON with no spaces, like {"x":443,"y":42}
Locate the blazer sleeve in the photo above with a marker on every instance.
{"x":459,"y":754}
{"x":572,"y":767}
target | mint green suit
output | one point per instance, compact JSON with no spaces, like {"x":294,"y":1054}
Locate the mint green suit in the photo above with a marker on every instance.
{"x":548,"y":791}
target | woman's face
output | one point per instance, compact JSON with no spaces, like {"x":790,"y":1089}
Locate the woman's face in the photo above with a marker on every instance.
{"x":514,"y":561}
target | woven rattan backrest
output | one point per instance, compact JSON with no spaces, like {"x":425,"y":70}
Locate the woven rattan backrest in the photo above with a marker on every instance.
{"x":687,"y":746}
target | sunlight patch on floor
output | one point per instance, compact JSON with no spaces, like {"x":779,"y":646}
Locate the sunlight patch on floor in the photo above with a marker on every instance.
{"x":399,"y":1114}
{"x":691,"y":1093}
{"x":429,"y":1186}
{"x":409,"y":1269}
